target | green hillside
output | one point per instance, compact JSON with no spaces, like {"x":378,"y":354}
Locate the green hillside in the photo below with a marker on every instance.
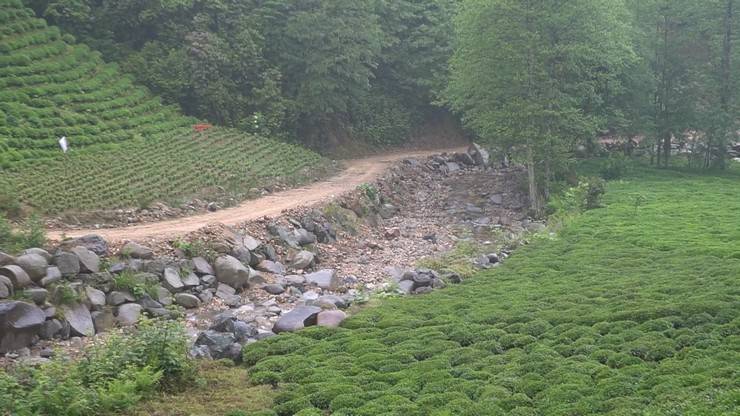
{"x":127,"y":146}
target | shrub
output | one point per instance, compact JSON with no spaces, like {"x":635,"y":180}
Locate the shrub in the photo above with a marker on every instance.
{"x":614,"y":167}
{"x":110,"y":377}
{"x":31,"y":234}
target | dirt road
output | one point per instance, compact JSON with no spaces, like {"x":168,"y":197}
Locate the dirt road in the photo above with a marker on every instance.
{"x":357,"y":172}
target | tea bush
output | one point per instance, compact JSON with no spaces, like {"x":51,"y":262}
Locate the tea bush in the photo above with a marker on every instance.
{"x":617,"y":315}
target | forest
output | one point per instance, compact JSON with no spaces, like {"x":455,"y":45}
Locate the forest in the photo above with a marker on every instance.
{"x":536,"y":80}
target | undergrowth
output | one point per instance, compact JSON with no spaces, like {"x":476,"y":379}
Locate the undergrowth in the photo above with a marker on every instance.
{"x":626,"y":312}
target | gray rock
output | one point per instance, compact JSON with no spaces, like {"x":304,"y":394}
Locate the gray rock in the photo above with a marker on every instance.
{"x":232,"y":272}
{"x":6,"y":288}
{"x":79,"y":319}
{"x":206,"y":297}
{"x":388,"y":211}
{"x":228,"y":295}
{"x":92,"y":242}
{"x":464,"y":158}
{"x":129,"y":314}
{"x":171,"y":280}
{"x":95,"y":297}
{"x":406,"y":286}
{"x":268,"y":266}
{"x":304,"y":237}
{"x":191,"y":280}
{"x":116,"y":298}
{"x":158,"y":312}
{"x":423,"y":290}
{"x":19,"y":324}
{"x":34,"y":264}
{"x":209,"y":280}
{"x":164,"y":296}
{"x":147,"y":302}
{"x":256,"y":278}
{"x":269,"y":252}
{"x":68,"y":263}
{"x":497,"y":199}
{"x":334,"y":300}
{"x":274,"y":289}
{"x":479,"y":155}
{"x":50,"y":328}
{"x":187,"y":301}
{"x":330,"y":319}
{"x":243,"y":255}
{"x":325,"y":279}
{"x":298,"y":318}
{"x":438,"y":284}
{"x":285,"y":235}
{"x":16,"y":275}
{"x":243,"y":331}
{"x":302,"y":260}
{"x":53,"y":275}
{"x":37,"y":295}
{"x":39,"y":251}
{"x":6,"y":259}
{"x":89,"y":261}
{"x":155,"y":266}
{"x":250,"y":243}
{"x":295,"y":280}
{"x":310,"y":296}
{"x":452,"y":167}
{"x":202,"y":267}
{"x":218,"y":343}
{"x":136,"y":251}
{"x":103,"y":321}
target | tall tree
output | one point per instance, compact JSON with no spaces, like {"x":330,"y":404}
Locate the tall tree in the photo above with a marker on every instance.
{"x":529,"y":76}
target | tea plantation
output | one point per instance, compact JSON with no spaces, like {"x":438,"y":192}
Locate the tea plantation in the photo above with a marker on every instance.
{"x":633,"y":309}
{"x":127,"y":146}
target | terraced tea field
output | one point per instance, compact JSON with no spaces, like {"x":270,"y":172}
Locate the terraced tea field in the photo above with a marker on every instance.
{"x":633,"y":309}
{"x":127,"y":147}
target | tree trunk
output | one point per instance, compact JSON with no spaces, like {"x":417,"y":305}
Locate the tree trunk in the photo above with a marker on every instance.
{"x":534,"y":199}
{"x":726,"y":87}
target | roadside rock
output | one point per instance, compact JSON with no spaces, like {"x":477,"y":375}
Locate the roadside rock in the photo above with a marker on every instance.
{"x":17,"y":276}
{"x":201,"y":267}
{"x":68,"y":263}
{"x":53,"y":275}
{"x":302,"y":260}
{"x":172,"y":281}
{"x":218,"y":343}
{"x":232,"y":272}
{"x":92,"y":242}
{"x":479,"y":155}
{"x":95,"y":297}
{"x":187,"y":301}
{"x":136,"y":251}
{"x":268,"y":266}
{"x":80,"y":321}
{"x":34,"y":264}
{"x":19,"y":324}
{"x":331,"y":319}
{"x":89,"y":261}
{"x":325,"y":279}
{"x":298,"y":318}
{"x":129,"y":314}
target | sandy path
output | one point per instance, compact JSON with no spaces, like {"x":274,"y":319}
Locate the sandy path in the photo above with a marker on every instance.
{"x":357,"y":172}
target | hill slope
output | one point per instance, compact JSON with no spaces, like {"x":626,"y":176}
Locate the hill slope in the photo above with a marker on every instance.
{"x":127,"y":147}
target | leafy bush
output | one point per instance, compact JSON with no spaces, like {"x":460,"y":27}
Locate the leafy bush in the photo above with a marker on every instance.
{"x":614,"y":167}
{"x":30,"y":235}
{"x":111,"y":377}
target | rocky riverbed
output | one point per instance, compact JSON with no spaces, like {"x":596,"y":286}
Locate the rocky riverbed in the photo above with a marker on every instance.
{"x":238,"y":285}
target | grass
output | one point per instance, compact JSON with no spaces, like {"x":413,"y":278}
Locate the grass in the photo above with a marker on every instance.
{"x":222,"y":389}
{"x":127,"y":148}
{"x":628,"y":311}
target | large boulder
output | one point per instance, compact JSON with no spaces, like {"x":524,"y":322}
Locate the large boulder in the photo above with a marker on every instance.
{"x":6,"y":288}
{"x":92,"y":242}
{"x":67,"y":263}
{"x":79,"y":319}
{"x":218,"y":343}
{"x":129,"y":314}
{"x":232,"y":272}
{"x":302,"y":260}
{"x":20,"y":322}
{"x":201,"y":267}
{"x":16,"y":275}
{"x":172,"y":280}
{"x":34,"y":264}
{"x":6,"y":259}
{"x":89,"y":261}
{"x":136,"y":251}
{"x":187,"y":301}
{"x":479,"y":155}
{"x":325,"y":279}
{"x":298,"y":318}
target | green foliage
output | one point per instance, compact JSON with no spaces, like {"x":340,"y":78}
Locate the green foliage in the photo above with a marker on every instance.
{"x":602,"y":319}
{"x":31,"y":234}
{"x":614,"y":167}
{"x":111,"y":377}
{"x":136,"y":286}
{"x":587,"y":195}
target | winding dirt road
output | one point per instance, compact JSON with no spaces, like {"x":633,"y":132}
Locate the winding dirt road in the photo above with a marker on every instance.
{"x":356,"y":172}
